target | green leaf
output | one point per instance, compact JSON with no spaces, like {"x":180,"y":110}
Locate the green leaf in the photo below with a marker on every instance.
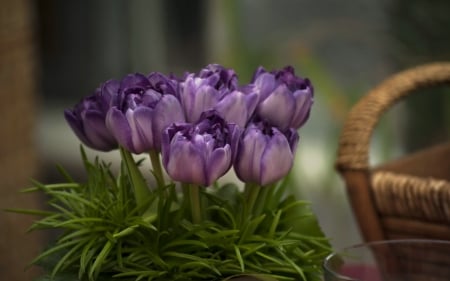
{"x":250,"y":277}
{"x":141,"y":191}
{"x":250,"y":227}
{"x":60,"y":265}
{"x":292,"y":263}
{"x":274,"y":225}
{"x":198,"y":264}
{"x":53,"y":250}
{"x":65,"y":174}
{"x":178,"y":243}
{"x":86,"y":256}
{"x":29,"y":212}
{"x":96,"y":267}
{"x":127,"y":231}
{"x":239,"y":258}
{"x":51,"y":186}
{"x":105,"y":231}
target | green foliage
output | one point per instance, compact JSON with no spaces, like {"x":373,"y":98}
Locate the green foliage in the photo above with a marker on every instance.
{"x":105,"y":233}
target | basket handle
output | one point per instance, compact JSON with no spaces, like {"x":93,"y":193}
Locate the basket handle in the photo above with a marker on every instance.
{"x":354,"y":143}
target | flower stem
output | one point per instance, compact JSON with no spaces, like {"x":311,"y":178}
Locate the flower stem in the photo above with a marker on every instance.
{"x":261,"y":199}
{"x":156,"y":166}
{"x":141,"y":191}
{"x":251,"y":194}
{"x":194,"y":198}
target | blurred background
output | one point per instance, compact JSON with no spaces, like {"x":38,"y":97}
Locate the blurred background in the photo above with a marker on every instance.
{"x":53,"y":53}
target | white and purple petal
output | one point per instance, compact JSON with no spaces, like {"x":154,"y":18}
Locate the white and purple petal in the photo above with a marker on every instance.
{"x":186,"y":162}
{"x":278,"y":108}
{"x":218,"y":163}
{"x":303,"y":101}
{"x":166,"y":112}
{"x":277,"y":159}
{"x":251,"y":147}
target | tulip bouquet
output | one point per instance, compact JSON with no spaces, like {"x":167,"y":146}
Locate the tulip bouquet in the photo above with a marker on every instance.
{"x":181,"y":220}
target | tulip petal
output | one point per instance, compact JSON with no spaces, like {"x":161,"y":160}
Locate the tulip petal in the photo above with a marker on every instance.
{"x":186,"y":163}
{"x":277,"y":159}
{"x":166,"y":112}
{"x":143,"y":117}
{"x":233,"y":108}
{"x":96,"y":131}
{"x":251,"y":148}
{"x":212,"y":79}
{"x":303,"y":101}
{"x":77,"y":127}
{"x":278,"y":108}
{"x":167,"y":136}
{"x":264,"y":85}
{"x":119,"y":127}
{"x":134,"y":80}
{"x":260,"y":70}
{"x":205,"y":98}
{"x":218,"y":163}
{"x":235,"y":134}
{"x":293,"y":138}
{"x":110,"y":88}
{"x":139,"y":121}
{"x":251,"y":101}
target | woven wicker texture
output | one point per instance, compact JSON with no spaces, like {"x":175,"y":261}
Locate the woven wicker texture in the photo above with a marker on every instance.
{"x":354,"y":143}
{"x":424,"y":198}
{"x":405,"y":198}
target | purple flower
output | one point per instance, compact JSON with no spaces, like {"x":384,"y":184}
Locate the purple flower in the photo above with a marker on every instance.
{"x":265,"y":154}
{"x":200,"y":153}
{"x":285,"y":99}
{"x":144,"y":107}
{"x":237,"y":107}
{"x":224,"y":78}
{"x":199,"y":93}
{"x":87,"y":119}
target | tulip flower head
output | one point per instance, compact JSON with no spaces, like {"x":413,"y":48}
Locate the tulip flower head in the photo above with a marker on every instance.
{"x":227,"y":78}
{"x":237,"y":107}
{"x":199,"y":93}
{"x":200,"y":153}
{"x":144,"y":107}
{"x":87,"y":119}
{"x":285,"y":99}
{"x":265,"y":154}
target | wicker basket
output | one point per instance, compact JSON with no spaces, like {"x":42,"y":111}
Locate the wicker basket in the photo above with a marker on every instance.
{"x":405,"y":198}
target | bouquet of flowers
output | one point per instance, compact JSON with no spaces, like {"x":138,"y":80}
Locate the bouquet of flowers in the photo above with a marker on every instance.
{"x":179,"y":221}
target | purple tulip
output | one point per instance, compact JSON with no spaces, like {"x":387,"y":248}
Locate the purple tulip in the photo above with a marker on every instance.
{"x":237,"y":107}
{"x":265,"y":154}
{"x":87,"y":119}
{"x":200,"y":153}
{"x":227,"y":78}
{"x":199,"y":93}
{"x":285,"y":99}
{"x":144,"y":107}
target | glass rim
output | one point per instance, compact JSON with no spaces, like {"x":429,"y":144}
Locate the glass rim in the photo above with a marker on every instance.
{"x":334,"y":274}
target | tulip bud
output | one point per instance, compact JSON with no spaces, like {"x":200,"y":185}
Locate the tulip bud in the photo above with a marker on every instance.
{"x":285,"y":99}
{"x":87,"y":119}
{"x":265,"y":154}
{"x":200,"y":153}
{"x":199,"y":93}
{"x":145,"y":106}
